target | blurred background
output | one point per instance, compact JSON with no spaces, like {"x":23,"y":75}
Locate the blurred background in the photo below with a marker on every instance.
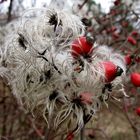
{"x":111,"y":22}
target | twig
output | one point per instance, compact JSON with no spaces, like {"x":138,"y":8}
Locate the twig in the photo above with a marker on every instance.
{"x":127,"y":117}
{"x":35,"y":128}
{"x":82,"y":133}
{"x":5,"y":114}
{"x":10,"y":11}
{"x":130,"y":121}
{"x":82,"y":5}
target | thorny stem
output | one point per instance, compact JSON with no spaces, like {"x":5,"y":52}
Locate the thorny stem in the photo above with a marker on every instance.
{"x":130,"y":121}
{"x":128,"y":118}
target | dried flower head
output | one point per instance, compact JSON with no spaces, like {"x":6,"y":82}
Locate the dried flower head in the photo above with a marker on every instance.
{"x":46,"y":78}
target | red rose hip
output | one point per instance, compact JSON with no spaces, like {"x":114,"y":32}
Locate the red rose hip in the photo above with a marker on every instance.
{"x":138,"y":111}
{"x":128,"y":59}
{"x":131,"y":40}
{"x":111,"y":70}
{"x":135,"y":79}
{"x":81,"y":47}
{"x":134,"y":33}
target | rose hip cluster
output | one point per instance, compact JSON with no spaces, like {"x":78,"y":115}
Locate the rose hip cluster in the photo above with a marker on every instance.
{"x":84,"y":47}
{"x":119,"y":28}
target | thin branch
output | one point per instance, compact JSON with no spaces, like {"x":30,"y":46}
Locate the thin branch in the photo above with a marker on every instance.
{"x":82,"y":5}
{"x":130,"y":121}
{"x":10,"y":11}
